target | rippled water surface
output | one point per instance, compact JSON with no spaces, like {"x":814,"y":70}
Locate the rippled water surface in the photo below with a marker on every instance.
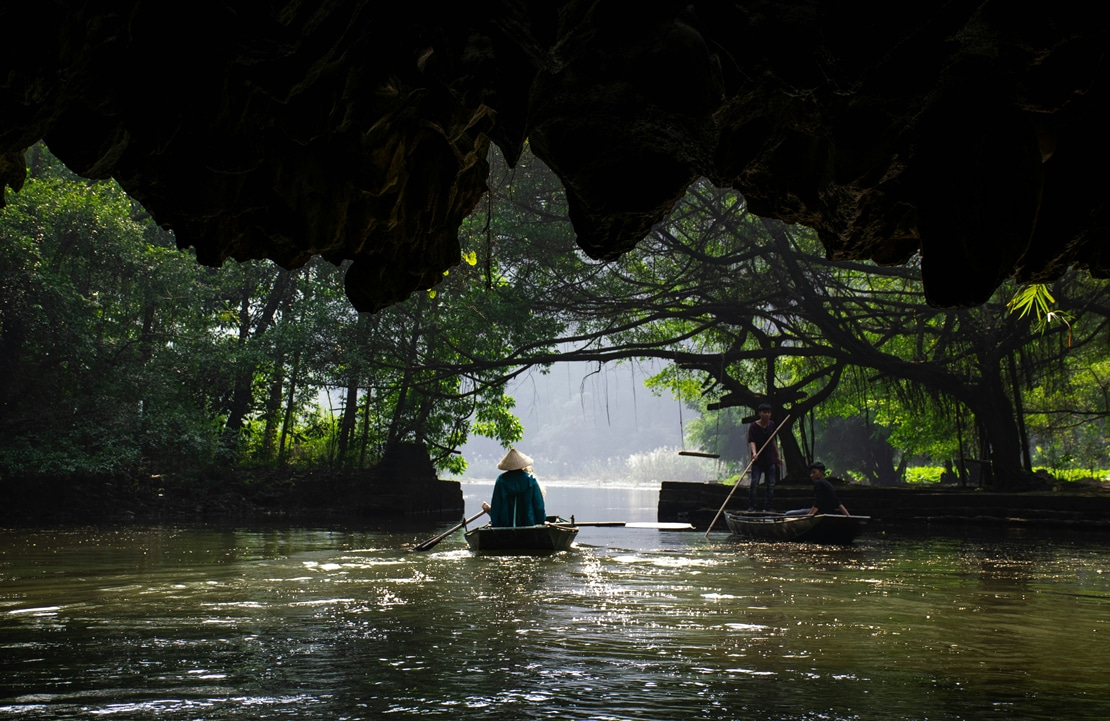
{"x":187,"y":623}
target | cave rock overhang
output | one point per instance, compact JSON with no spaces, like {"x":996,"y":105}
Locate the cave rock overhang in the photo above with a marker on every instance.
{"x":969,"y":135}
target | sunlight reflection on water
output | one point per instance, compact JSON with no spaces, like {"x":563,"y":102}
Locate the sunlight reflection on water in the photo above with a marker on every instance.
{"x":634,"y":623}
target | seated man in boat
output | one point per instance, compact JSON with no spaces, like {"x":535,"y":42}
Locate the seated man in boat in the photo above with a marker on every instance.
{"x":825,"y":498}
{"x":517,"y":497}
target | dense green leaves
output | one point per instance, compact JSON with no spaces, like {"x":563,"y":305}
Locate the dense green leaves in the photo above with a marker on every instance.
{"x":749,"y":310}
{"x":95,"y":313}
{"x":119,"y":354}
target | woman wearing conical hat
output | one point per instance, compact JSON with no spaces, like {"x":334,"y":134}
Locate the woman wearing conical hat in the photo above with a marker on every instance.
{"x":517,"y":498}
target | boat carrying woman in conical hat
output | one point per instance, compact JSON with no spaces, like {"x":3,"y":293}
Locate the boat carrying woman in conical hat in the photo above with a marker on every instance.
{"x":517,"y":497}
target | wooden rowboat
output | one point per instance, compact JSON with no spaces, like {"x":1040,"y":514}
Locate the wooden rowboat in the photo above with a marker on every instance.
{"x":555,"y":535}
{"x":819,"y":528}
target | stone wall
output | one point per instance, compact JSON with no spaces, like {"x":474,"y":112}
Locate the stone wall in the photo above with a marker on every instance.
{"x":698,"y":503}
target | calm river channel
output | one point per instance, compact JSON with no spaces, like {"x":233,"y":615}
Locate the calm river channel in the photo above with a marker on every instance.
{"x":304,"y":623}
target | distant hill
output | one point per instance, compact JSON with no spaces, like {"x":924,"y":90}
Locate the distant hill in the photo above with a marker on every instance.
{"x":579,"y":419}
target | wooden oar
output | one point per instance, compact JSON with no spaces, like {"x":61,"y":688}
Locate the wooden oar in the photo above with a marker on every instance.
{"x":597,"y":523}
{"x":625,"y":524}
{"x":431,"y":542}
{"x":662,"y":526}
{"x":737,"y":484}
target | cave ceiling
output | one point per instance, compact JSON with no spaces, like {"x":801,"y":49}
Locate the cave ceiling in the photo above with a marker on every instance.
{"x":968,"y":136}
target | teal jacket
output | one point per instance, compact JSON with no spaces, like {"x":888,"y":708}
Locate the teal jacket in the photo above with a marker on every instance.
{"x":517,"y":500}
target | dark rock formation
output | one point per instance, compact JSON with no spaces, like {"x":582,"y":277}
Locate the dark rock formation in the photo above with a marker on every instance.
{"x":404,"y":492}
{"x":970,"y":133}
{"x":904,"y":508}
{"x":260,"y":495}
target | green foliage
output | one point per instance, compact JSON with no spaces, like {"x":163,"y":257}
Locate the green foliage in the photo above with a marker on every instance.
{"x":722,"y":432}
{"x":94,"y":316}
{"x":495,"y":420}
{"x":750,"y":310}
{"x":1072,"y":475}
{"x":1037,"y":298}
{"x":119,"y":354}
{"x":919,"y":475}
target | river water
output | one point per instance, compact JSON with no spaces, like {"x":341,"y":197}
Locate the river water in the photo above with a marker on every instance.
{"x":241,"y":623}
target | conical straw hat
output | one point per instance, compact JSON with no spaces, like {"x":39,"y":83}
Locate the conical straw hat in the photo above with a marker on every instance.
{"x":514,"y":460}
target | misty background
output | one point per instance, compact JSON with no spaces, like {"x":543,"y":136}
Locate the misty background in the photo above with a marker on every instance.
{"x":585,"y":422}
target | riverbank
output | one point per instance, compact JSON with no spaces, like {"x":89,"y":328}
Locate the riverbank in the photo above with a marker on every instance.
{"x":380,"y":498}
{"x":1081,"y":509}
{"x":241,"y":495}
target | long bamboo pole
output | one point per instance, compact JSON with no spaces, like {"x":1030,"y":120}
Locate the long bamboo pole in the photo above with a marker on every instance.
{"x":737,"y":485}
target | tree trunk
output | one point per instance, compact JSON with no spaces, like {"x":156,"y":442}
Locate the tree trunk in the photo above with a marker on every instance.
{"x":886,"y":473}
{"x":365,"y":442}
{"x":287,"y":424}
{"x":397,"y":428}
{"x":273,"y":408}
{"x":797,"y":469}
{"x":1001,"y":437}
{"x":349,"y":421}
{"x":1019,"y":414}
{"x":242,"y":395}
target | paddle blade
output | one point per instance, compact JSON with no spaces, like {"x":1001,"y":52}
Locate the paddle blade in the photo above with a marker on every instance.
{"x":433,"y":542}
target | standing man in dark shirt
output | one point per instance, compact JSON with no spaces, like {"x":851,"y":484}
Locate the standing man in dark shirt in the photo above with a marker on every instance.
{"x":765,"y":463}
{"x":825,"y":498}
